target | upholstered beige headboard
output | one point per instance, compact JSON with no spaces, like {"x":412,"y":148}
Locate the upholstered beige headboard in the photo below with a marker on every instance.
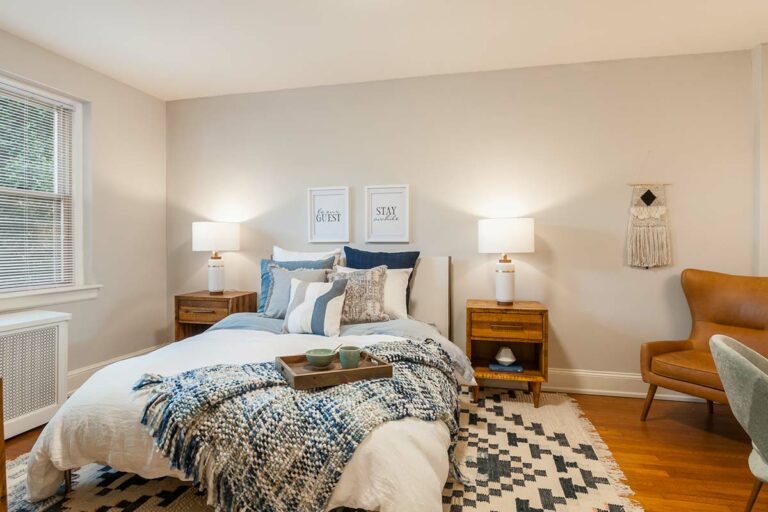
{"x":431,"y":292}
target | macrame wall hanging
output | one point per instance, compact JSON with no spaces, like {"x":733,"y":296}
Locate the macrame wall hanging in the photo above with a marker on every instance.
{"x":648,"y":240}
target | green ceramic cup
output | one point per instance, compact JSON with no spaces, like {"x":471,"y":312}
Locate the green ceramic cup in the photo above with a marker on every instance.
{"x":349,"y":356}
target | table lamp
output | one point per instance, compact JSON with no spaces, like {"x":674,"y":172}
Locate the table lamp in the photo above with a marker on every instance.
{"x":505,"y":236}
{"x":215,"y":237}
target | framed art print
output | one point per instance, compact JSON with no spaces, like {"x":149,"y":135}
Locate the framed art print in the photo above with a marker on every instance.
{"x":328,"y":209}
{"x":386,"y":213}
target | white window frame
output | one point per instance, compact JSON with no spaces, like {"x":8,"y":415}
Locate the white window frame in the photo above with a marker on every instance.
{"x":80,"y":290}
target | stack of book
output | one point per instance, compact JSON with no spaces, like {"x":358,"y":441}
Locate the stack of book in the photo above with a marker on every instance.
{"x":511,"y":368}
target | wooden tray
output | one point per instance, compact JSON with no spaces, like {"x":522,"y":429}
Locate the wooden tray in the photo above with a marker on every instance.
{"x":301,"y":375}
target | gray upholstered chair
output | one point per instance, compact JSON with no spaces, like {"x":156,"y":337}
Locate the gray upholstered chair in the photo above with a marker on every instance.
{"x":744,"y":374}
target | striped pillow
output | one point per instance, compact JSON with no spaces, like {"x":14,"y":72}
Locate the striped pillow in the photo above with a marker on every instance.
{"x":315,"y":308}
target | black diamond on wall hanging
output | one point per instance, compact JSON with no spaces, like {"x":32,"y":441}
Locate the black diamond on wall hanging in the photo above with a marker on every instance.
{"x":648,"y":198}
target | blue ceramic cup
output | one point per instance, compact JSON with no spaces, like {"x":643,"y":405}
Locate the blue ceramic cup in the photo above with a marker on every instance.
{"x":349,"y":356}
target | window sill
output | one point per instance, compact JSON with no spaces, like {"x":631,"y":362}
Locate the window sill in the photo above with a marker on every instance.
{"x":47,"y":297}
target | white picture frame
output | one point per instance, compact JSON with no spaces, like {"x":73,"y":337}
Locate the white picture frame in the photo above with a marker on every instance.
{"x":328,"y":214}
{"x":387,"y":209}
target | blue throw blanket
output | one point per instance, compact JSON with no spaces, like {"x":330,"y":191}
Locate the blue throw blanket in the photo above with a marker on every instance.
{"x":257,"y":444}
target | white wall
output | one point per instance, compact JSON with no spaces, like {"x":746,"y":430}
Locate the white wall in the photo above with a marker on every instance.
{"x":125,"y":210}
{"x":557,"y":143}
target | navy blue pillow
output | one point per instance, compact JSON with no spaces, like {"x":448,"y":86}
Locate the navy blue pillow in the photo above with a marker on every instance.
{"x":365,"y":259}
{"x":266,"y":277}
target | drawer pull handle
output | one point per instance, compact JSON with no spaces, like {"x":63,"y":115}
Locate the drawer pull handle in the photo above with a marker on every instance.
{"x":506,"y":327}
{"x":200,"y":311}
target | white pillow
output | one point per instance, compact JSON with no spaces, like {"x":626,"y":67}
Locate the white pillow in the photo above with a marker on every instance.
{"x":280,"y":254}
{"x":395,"y":287}
{"x":315,"y":308}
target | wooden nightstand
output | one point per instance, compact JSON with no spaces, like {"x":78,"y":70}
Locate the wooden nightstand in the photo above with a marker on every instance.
{"x":522,"y":326}
{"x":197,"y":311}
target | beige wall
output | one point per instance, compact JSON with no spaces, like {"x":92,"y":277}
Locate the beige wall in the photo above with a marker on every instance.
{"x":125,"y":210}
{"x":760,"y":136}
{"x":557,"y":143}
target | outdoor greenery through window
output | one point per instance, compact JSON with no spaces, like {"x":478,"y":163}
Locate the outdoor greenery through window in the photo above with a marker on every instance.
{"x":36,"y":213}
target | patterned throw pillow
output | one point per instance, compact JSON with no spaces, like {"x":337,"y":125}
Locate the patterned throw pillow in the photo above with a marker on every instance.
{"x":280,"y":287}
{"x":266,"y":278}
{"x":365,"y":295}
{"x":315,"y":308}
{"x":395,"y":290}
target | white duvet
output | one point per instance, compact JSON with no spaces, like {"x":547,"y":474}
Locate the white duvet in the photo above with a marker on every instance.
{"x":401,"y":466}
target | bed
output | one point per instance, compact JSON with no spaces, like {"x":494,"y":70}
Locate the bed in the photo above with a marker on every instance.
{"x":401,"y":466}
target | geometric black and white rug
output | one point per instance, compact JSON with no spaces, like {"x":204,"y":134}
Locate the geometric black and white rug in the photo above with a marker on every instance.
{"x":516,"y":458}
{"x":527,"y":459}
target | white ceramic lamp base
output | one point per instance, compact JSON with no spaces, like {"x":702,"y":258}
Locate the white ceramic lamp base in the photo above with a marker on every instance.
{"x":215,"y":276}
{"x":505,"y":282}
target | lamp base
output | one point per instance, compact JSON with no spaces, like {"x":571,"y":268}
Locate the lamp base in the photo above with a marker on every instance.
{"x":215,"y":276}
{"x":505,"y":283}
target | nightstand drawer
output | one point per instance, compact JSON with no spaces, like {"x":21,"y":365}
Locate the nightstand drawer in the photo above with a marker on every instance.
{"x":506,"y":326}
{"x":198,"y":311}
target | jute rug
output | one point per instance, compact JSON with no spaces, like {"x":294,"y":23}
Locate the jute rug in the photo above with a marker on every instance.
{"x":516,"y":458}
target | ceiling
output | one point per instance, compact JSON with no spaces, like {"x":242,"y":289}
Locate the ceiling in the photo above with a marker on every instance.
{"x":176,"y":49}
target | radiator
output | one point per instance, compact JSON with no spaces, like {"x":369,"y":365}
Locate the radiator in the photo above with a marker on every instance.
{"x":33,"y":365}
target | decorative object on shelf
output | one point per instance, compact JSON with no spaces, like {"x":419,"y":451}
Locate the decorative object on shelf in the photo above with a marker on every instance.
{"x":505,"y":236}
{"x":523,"y":325}
{"x":648,"y":236}
{"x":328,"y":209}
{"x":215,"y":237}
{"x":505,"y":356}
{"x":386,"y":213}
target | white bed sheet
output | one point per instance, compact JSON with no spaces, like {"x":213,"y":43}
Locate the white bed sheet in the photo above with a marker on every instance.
{"x":401,"y":466}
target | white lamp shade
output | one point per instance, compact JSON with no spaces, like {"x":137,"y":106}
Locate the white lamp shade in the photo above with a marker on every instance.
{"x":510,"y":235}
{"x":215,"y":236}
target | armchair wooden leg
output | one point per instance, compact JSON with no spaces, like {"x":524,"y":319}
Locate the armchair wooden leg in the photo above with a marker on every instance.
{"x":67,"y":481}
{"x":753,"y":496}
{"x":711,"y":407}
{"x":648,"y":401}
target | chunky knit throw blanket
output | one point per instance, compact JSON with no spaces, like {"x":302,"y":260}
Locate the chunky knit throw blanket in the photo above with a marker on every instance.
{"x":256,"y":444}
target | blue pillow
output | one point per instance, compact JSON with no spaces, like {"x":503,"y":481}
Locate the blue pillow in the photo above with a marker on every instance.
{"x":266,"y":278}
{"x":365,"y":259}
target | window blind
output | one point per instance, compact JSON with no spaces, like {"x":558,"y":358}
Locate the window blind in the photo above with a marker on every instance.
{"x":36,"y":231}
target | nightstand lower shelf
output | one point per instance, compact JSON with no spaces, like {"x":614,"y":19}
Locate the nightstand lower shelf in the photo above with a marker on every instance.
{"x":483,"y":372}
{"x":530,"y":374}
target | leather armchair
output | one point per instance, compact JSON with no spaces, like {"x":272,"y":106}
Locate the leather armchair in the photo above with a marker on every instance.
{"x":736,"y":306}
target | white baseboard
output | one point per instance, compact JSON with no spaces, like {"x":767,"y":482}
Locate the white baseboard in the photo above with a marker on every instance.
{"x":76,"y":378}
{"x":588,"y":382}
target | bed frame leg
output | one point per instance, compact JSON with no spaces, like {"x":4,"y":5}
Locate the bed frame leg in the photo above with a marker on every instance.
{"x":68,"y":481}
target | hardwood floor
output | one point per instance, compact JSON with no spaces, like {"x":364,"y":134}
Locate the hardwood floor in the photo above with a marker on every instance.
{"x":682,"y":459}
{"x":21,"y":444}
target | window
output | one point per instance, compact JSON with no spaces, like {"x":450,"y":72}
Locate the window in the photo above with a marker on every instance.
{"x":40,"y":236}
